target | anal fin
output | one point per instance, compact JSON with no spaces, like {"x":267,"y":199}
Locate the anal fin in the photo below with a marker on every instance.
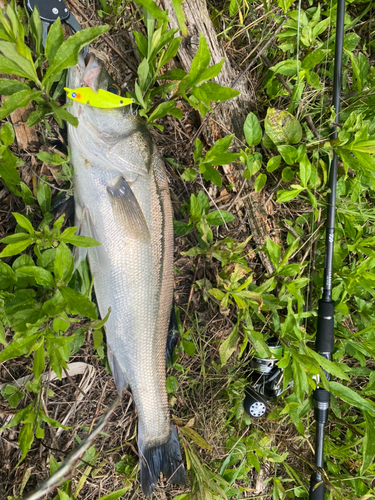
{"x":118,"y":373}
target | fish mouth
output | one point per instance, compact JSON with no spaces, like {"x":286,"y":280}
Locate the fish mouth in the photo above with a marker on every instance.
{"x":88,"y":73}
{"x":93,"y":72}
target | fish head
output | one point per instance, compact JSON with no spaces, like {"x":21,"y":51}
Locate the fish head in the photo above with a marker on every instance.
{"x":120,"y":140}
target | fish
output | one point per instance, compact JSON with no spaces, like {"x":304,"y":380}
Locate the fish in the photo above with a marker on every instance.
{"x":122,"y":200}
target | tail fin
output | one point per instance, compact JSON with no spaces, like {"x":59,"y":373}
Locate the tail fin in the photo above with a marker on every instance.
{"x":165,"y":458}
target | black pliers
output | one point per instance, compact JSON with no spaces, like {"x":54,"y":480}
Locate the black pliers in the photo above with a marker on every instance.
{"x":49,"y":11}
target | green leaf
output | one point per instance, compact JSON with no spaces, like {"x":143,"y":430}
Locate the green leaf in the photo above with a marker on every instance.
{"x":61,"y":114}
{"x":252,"y":130}
{"x":7,"y":134}
{"x":36,"y":30}
{"x":63,"y":265}
{"x":368,"y":448}
{"x":288,"y":153}
{"x":284,"y":196}
{"x":305,"y":170}
{"x":300,"y":383}
{"x":351,"y":397}
{"x":287,"y":67}
{"x":177,"y":5}
{"x":203,"y":202}
{"x":54,"y":40}
{"x":18,"y":347}
{"x":194,"y":208}
{"x":43,"y":196}
{"x":351,"y":41}
{"x":153,"y":9}
{"x":274,"y":251}
{"x":9,"y":87}
{"x":41,"y":276}
{"x":138,"y":95}
{"x":189,"y":347}
{"x":143,"y":72}
{"x":228,"y":347}
{"x":18,"y":100}
{"x":23,"y":222}
{"x":9,"y":67}
{"x":282,"y":127}
{"x":200,"y":62}
{"x":53,"y":465}
{"x":285,"y":5}
{"x":219,"y":217}
{"x":195,"y":437}
{"x":181,"y":228}
{"x":198,"y":149}
{"x":161,"y":110}
{"x":189,"y":174}
{"x":26,"y":439}
{"x":67,"y":54}
{"x":259,"y":183}
{"x":218,"y":93}
{"x":172,"y":384}
{"x":25,"y":64}
{"x":97,"y":336}
{"x":39,"y":361}
{"x":2,"y":334}
{"x":79,"y":241}
{"x":115,"y":494}
{"x":287,"y":174}
{"x":321,"y":27}
{"x":36,"y":116}
{"x":141,"y":42}
{"x":7,"y":276}
{"x":327,"y":365}
{"x":314,"y":58}
{"x":77,"y":303}
{"x":210,"y":174}
{"x":16,"y":248}
{"x":211,"y":72}
{"x":273,"y":163}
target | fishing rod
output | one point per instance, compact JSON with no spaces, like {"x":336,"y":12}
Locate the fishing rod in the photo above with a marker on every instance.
{"x":325,"y":330}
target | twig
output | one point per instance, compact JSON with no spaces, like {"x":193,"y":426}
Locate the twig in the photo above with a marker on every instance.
{"x":67,"y":466}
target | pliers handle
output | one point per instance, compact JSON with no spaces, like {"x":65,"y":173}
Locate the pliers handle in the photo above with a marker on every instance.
{"x":49,"y":11}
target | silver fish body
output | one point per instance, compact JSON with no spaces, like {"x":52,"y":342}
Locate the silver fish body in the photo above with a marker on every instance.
{"x":122,"y":200}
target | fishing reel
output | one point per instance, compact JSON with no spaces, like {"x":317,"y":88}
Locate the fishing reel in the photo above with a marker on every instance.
{"x":266,"y":381}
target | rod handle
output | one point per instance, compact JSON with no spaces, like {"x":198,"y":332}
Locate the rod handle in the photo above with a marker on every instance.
{"x":316,"y":492}
{"x":325,"y":330}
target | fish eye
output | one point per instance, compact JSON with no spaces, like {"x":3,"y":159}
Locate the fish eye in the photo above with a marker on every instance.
{"x":114,"y":89}
{"x":74,"y":95}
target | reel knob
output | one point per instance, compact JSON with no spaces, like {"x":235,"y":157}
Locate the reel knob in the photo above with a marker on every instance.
{"x":254,"y":404}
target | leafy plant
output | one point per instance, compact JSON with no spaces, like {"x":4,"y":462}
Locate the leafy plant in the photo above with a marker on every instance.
{"x":156,"y":51}
{"x":42,"y":68}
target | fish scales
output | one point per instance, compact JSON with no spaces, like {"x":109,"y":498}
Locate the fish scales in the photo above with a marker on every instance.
{"x":122,"y":200}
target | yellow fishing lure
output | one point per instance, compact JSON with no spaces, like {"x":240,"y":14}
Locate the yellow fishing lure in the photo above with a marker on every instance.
{"x":101,"y":99}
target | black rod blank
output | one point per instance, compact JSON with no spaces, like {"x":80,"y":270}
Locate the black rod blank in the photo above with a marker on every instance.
{"x":325,"y":328}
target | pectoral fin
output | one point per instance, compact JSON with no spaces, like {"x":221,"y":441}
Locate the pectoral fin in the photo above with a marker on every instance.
{"x":127,"y":211}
